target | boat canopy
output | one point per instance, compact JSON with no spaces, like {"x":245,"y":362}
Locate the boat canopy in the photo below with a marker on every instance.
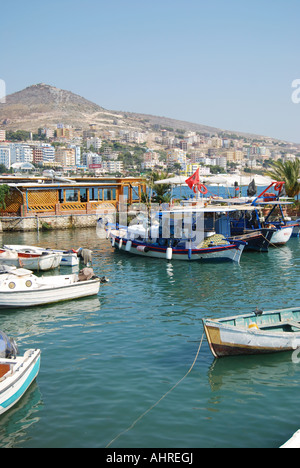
{"x":8,"y":347}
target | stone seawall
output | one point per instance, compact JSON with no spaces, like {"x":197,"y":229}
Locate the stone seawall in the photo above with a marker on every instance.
{"x":39,"y":223}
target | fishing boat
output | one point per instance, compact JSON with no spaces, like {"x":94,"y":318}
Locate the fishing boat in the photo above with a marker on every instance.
{"x":251,"y":217}
{"x":179,"y":235}
{"x":19,"y":287}
{"x":258,"y":239}
{"x":68,"y":257}
{"x":41,"y":261}
{"x":259,"y":332}
{"x":16,"y":372}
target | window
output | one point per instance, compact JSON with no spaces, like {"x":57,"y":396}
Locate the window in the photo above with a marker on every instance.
{"x":60,"y":196}
{"x":83,"y":195}
{"x":71,"y":195}
{"x":107,"y":194}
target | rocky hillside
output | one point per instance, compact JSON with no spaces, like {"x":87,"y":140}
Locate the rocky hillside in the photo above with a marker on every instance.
{"x":42,"y":105}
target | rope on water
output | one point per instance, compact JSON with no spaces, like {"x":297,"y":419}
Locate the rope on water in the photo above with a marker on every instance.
{"x":155,"y":404}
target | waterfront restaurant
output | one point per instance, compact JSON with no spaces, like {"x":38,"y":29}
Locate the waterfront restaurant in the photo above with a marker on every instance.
{"x":42,"y":197}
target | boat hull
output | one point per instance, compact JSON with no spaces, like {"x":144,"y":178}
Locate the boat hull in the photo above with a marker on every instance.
{"x":67,"y":258}
{"x":30,"y":261}
{"x":282,"y":235}
{"x":230,"y":252}
{"x":49,"y":294}
{"x":257,"y":240}
{"x":13,"y":387}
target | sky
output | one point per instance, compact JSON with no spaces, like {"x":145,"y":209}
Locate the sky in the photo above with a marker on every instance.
{"x":227,"y":64}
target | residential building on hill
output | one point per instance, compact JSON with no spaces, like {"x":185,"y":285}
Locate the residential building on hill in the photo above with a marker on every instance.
{"x":5,"y":155}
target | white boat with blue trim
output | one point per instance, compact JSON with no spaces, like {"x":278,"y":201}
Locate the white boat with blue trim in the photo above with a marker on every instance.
{"x":17,"y":373}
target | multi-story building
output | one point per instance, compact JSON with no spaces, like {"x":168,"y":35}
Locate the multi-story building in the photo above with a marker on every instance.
{"x":95,"y":142}
{"x":37,"y":155}
{"x":5,"y":155}
{"x":91,"y":158}
{"x":112,"y":166}
{"x":234,"y":156}
{"x":21,"y":152}
{"x":2,"y":135}
{"x":174,"y":156}
{"x":65,"y":156}
{"x":192,"y":168}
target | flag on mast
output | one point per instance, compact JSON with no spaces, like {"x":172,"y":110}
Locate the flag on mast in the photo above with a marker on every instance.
{"x":194,"y":180}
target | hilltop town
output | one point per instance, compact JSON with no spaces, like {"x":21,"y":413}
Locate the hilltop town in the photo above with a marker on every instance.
{"x":43,"y":127}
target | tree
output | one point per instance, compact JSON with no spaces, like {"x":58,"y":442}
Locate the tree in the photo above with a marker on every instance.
{"x":288,"y":172}
{"x":162,"y":192}
{"x":4,"y":190}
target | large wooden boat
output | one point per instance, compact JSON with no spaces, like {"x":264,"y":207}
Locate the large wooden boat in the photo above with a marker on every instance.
{"x":175,"y":236}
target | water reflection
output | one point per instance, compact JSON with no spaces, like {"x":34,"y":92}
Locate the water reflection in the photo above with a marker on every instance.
{"x":14,"y":424}
{"x":243,"y":373}
{"x":34,"y":321}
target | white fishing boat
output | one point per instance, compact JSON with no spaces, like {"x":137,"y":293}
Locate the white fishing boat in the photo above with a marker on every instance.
{"x":259,"y":332}
{"x":41,"y":261}
{"x":21,"y":288}
{"x":16,"y":372}
{"x":68,"y":257}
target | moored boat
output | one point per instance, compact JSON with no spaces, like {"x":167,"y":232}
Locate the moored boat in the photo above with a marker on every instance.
{"x":41,"y":261}
{"x":16,"y":372}
{"x":21,"y":288}
{"x":196,"y":234}
{"x":259,"y":332}
{"x":258,"y":239}
{"x":68,"y":257}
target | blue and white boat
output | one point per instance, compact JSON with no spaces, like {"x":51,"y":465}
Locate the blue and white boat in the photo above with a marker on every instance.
{"x":176,"y":235}
{"x":16,"y":372}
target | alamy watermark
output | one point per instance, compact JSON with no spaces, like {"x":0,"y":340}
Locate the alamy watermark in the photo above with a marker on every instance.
{"x":296,"y":92}
{"x":140,"y":220}
{"x":2,"y":92}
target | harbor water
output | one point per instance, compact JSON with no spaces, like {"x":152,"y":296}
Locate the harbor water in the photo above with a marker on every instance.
{"x":109,"y":359}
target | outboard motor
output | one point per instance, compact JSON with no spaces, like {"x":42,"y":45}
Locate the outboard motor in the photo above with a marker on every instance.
{"x":8,"y":346}
{"x":85,"y":255}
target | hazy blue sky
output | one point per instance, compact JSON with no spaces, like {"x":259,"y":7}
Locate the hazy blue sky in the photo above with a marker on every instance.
{"x":228,"y":64}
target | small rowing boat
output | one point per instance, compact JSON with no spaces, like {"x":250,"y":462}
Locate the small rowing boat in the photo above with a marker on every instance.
{"x":258,"y":332}
{"x":67,"y":257}
{"x":32,"y":260}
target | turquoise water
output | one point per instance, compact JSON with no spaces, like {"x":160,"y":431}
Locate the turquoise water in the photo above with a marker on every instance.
{"x":108,"y":359}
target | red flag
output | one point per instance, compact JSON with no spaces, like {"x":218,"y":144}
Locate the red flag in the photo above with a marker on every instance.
{"x":193,"y":180}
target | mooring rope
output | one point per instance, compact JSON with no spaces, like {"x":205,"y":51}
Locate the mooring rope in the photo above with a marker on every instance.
{"x":155,"y":404}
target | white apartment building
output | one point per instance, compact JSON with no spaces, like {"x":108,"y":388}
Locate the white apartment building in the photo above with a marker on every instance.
{"x":21,"y":152}
{"x":48,"y":152}
{"x":91,"y":158}
{"x":95,"y":142}
{"x":112,"y":166}
{"x":5,"y":155}
{"x":77,"y":150}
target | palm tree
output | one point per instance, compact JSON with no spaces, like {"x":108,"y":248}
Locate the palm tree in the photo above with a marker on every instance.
{"x":288,"y":172}
{"x":161,"y":192}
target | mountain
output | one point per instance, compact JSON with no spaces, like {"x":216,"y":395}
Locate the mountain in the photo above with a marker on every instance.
{"x":42,"y":105}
